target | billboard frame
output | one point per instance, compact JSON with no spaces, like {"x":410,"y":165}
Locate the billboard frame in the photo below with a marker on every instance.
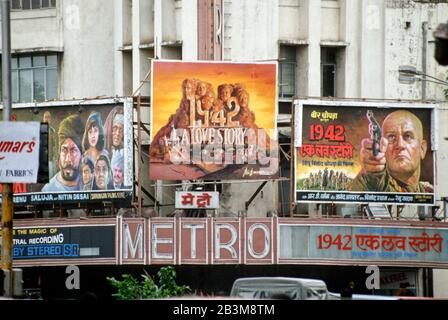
{"x":275,"y":109}
{"x":297,"y":138}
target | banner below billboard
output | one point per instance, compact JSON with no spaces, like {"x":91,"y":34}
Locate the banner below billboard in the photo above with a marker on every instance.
{"x":19,"y":151}
{"x":363,"y":152}
{"x":213,"y":120}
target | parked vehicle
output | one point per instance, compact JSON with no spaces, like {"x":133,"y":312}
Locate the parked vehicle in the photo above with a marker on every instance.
{"x":280,"y":288}
{"x":337,"y":296}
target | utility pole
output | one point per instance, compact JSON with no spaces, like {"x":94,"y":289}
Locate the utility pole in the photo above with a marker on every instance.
{"x":424,"y":57}
{"x":7,"y":193}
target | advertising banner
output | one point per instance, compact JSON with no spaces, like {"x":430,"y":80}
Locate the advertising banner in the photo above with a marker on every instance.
{"x":213,"y":120}
{"x":58,"y":242}
{"x":363,"y":243}
{"x":19,"y":151}
{"x":90,"y":152}
{"x":363,"y":152}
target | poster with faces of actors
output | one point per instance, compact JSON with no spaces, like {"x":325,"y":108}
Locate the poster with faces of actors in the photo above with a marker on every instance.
{"x":364,"y":152}
{"x":90,"y":152}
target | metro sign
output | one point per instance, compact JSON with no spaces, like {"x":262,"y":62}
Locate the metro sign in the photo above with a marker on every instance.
{"x":197,"y":200}
{"x":198,"y":241}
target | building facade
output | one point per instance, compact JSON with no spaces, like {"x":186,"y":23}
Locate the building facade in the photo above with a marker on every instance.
{"x":346,"y":49}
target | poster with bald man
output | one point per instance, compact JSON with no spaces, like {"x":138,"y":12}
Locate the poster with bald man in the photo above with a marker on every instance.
{"x":364,"y":152}
{"x":213,"y":121}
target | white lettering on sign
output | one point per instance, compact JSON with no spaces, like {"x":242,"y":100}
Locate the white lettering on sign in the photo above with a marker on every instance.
{"x":156,"y":240}
{"x":227,"y":245}
{"x":266,"y":242}
{"x":193,"y":227}
{"x":136,"y":245}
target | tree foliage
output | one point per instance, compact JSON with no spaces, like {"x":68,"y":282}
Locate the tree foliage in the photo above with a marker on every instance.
{"x":131,"y":288}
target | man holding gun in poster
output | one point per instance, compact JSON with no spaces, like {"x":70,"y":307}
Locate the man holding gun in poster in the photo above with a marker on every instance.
{"x":391,"y":158}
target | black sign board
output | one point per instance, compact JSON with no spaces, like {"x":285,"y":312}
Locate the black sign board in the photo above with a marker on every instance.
{"x":64,"y":242}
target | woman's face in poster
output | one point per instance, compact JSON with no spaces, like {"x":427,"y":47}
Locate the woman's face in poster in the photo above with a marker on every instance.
{"x":93,"y":135}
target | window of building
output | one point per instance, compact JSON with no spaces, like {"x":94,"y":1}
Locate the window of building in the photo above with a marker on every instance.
{"x":287,"y":71}
{"x":34,"y":77}
{"x":32,"y":4}
{"x":328,"y":69}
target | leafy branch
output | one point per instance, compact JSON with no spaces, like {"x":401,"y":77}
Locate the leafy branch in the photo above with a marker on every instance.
{"x":131,"y":288}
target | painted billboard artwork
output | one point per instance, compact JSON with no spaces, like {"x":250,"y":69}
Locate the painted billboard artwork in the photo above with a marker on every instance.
{"x":364,"y":153}
{"x":213,"y":120}
{"x":90,"y":155}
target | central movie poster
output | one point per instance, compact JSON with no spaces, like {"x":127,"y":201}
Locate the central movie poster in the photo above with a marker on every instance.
{"x":360,"y":152}
{"x":213,"y":120}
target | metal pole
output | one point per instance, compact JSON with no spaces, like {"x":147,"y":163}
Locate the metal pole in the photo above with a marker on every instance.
{"x":424,"y":57}
{"x":7,"y":193}
{"x":139,"y":157}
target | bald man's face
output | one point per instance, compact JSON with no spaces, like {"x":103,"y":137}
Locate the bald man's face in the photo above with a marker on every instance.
{"x":406,"y":147}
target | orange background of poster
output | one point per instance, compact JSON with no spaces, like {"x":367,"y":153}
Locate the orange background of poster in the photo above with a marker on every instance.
{"x":259,"y":80}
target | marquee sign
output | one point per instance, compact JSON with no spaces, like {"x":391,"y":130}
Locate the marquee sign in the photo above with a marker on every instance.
{"x":205,"y":241}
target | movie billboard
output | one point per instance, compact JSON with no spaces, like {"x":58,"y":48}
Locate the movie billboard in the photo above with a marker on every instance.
{"x":90,"y":152}
{"x":213,"y":120}
{"x":363,"y":152}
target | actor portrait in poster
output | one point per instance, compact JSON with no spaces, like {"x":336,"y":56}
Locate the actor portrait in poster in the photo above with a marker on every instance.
{"x":397,"y":165}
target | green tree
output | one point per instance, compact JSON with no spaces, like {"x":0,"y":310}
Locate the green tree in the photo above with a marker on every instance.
{"x":131,"y":289}
{"x":167,"y":283}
